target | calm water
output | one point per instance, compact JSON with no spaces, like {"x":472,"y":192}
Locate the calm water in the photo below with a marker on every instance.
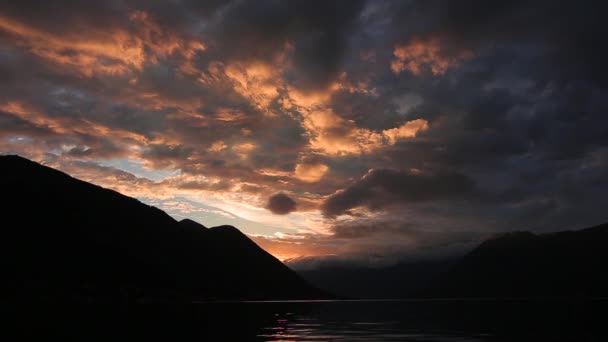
{"x":324,"y":321}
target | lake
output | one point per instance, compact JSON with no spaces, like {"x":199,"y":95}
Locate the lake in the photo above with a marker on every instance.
{"x":456,"y":320}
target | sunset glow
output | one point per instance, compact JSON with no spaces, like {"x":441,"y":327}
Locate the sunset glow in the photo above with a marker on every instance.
{"x":373,"y":129}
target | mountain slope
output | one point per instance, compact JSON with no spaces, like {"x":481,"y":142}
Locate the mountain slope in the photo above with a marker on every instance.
{"x":353,"y":280}
{"x":522,"y":264}
{"x":516,"y":264}
{"x":63,"y":236}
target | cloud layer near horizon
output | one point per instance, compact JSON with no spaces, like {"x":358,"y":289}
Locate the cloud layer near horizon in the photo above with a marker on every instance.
{"x":396,"y":126}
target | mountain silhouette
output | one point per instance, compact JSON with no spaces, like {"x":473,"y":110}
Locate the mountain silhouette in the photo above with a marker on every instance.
{"x":515,"y":264}
{"x":65,"y":237}
{"x":350,"y":279}
{"x":523,"y":264}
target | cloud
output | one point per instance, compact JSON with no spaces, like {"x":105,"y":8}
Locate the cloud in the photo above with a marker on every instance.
{"x":377,"y":242}
{"x":281,"y":204}
{"x":310,"y":172}
{"x":418,"y":56}
{"x":217,"y":146}
{"x":381,"y":188}
{"x":118,"y":51}
{"x":408,"y":130}
{"x":315,"y":33}
{"x":492,"y":118}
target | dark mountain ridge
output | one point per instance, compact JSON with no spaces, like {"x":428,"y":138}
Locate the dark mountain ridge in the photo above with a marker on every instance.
{"x":401,"y":280}
{"x":66,"y":237}
{"x":523,"y":264}
{"x":517,"y":264}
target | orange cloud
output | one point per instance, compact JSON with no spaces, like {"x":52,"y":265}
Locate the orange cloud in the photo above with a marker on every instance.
{"x":408,"y":130}
{"x":333,"y":135}
{"x":229,"y":115}
{"x":67,"y":126}
{"x":419,"y":54}
{"x":344,"y":84}
{"x":257,"y":81}
{"x":274,"y":173}
{"x":310,"y":172}
{"x":114,"y":51}
{"x":243,"y":150}
{"x":84,"y":53}
{"x":217,"y":146}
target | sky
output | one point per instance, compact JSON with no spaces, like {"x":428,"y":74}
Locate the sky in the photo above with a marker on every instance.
{"x":375,"y":131}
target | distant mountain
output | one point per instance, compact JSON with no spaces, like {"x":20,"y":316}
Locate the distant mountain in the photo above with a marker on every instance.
{"x":516,"y":264}
{"x":65,"y":237}
{"x":523,"y":264}
{"x":401,"y":280}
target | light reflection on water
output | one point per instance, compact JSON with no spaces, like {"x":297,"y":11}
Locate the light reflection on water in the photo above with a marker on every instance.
{"x":291,"y":327}
{"x":377,"y":321}
{"x":443,"y":321}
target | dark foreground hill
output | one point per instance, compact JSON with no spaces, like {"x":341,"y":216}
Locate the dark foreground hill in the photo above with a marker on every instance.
{"x":65,"y":237}
{"x":517,"y":264}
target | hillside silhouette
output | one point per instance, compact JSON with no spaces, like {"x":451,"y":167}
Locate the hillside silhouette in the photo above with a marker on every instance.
{"x":63,"y":237}
{"x":510,"y":265}
{"x":401,"y":280}
{"x":524,"y":264}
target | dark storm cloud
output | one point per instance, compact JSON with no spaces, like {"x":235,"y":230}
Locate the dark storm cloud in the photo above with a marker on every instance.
{"x":384,"y":242}
{"x":357,"y":107}
{"x":318,"y":31}
{"x":281,"y":204}
{"x":362,"y":229}
{"x":10,"y":125}
{"x":417,"y":236}
{"x":380,"y":188}
{"x":565,"y":33}
{"x":164,"y":156}
{"x":63,"y":16}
